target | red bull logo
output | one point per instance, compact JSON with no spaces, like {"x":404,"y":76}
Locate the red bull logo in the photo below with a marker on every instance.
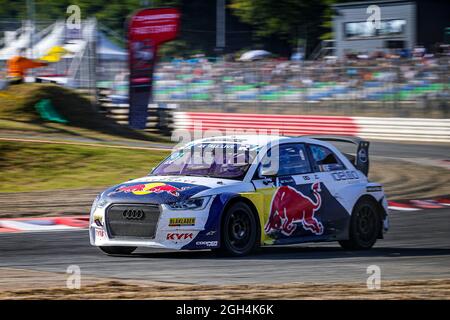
{"x":154,"y":187}
{"x":290,"y":207}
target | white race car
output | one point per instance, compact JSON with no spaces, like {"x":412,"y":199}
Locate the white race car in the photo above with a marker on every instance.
{"x":236,"y":193}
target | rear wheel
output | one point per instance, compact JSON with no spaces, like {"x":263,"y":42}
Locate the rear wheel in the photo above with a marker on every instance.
{"x":239,"y":231}
{"x":117,"y":250}
{"x":365,"y":226}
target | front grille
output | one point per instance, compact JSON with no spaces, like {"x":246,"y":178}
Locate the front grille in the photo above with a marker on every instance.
{"x":132,"y":221}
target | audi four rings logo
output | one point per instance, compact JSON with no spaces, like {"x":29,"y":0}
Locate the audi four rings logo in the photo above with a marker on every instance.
{"x":133,"y":214}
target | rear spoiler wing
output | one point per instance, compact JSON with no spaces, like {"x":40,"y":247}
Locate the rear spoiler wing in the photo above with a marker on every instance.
{"x":361,"y":161}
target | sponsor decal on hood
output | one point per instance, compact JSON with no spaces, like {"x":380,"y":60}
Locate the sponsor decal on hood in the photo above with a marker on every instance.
{"x":152,"y":192}
{"x":156,"y":187}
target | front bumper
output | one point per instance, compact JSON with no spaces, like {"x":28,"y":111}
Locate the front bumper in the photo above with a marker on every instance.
{"x":175,"y":229}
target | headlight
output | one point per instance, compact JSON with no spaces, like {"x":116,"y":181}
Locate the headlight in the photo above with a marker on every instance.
{"x":98,"y":204}
{"x":190,"y":204}
{"x":94,"y":204}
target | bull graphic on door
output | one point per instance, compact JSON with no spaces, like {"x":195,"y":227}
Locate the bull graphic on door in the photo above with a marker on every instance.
{"x":290,"y":207}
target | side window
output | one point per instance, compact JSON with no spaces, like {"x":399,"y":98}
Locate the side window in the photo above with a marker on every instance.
{"x":293,"y":160}
{"x":325,"y":159}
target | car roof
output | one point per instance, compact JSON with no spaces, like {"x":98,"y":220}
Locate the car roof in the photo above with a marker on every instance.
{"x":259,"y":140}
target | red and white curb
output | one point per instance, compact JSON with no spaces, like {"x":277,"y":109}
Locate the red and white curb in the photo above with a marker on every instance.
{"x":43,"y":224}
{"x":416,"y":205}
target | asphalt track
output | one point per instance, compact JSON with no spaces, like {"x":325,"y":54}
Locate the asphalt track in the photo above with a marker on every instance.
{"x":417,"y":247}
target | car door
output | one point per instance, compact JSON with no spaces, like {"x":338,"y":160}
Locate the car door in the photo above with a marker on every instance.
{"x":292,"y":196}
{"x":334,"y":177}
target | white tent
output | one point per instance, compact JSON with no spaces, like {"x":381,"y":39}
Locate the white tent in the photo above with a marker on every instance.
{"x":12,"y":48}
{"x":55,"y":36}
{"x":107,"y":50}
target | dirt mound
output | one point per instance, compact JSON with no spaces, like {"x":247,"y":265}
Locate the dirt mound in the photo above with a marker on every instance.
{"x":18,"y":104}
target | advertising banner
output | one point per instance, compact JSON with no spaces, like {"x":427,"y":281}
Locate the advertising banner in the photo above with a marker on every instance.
{"x":148,"y":28}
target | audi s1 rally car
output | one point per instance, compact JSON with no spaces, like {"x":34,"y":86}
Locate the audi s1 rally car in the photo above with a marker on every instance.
{"x":235,"y":193}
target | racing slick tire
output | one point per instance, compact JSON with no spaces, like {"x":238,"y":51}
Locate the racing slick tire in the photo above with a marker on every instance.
{"x":239,"y":232}
{"x":118,"y":250}
{"x":365,"y":226}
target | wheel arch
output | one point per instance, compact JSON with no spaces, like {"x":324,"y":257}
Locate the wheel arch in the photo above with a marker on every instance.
{"x":236,"y":199}
{"x":380,"y":209}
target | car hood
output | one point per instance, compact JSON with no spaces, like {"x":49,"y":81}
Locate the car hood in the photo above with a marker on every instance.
{"x":162,"y":189}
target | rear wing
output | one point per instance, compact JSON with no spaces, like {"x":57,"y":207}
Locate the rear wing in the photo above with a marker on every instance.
{"x":361,"y":160}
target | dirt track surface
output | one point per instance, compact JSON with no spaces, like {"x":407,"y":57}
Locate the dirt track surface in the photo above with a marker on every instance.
{"x":52,"y":286}
{"x":408,"y":180}
{"x":47,"y":203}
{"x":401,"y":180}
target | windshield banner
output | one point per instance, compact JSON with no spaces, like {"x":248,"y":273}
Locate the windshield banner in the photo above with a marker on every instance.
{"x":148,"y":28}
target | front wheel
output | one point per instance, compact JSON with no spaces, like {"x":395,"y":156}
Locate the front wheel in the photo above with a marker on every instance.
{"x":365,"y":226}
{"x":239,"y":231}
{"x":117,"y":250}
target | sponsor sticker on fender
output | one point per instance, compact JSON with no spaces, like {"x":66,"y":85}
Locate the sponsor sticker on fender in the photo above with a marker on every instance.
{"x":179,"y":236}
{"x":181,"y":222}
{"x":99,"y":233}
{"x":207,"y":243}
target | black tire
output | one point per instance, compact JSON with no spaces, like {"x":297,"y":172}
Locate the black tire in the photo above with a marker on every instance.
{"x":239,"y":232}
{"x":365,"y":226}
{"x":118,"y":250}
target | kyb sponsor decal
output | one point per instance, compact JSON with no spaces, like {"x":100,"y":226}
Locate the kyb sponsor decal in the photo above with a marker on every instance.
{"x":179,"y":236}
{"x":181,"y":222}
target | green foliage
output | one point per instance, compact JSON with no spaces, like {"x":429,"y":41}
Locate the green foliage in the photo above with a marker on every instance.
{"x":274,"y":22}
{"x":289,"y":20}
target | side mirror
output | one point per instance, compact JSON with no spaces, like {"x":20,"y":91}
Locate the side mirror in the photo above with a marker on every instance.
{"x":267,"y":172}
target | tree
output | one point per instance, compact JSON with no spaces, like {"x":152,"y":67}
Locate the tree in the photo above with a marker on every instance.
{"x":288,"y":20}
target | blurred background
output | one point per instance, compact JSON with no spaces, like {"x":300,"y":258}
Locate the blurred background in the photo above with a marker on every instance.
{"x":375,"y":69}
{"x":251,"y":57}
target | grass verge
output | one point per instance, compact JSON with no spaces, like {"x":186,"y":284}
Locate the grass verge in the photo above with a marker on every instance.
{"x":18,"y":114}
{"x":26,"y":166}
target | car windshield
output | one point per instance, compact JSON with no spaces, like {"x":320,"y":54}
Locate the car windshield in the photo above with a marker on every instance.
{"x":212,"y":159}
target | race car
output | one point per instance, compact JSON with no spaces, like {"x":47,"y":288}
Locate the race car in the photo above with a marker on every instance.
{"x":234,"y":194}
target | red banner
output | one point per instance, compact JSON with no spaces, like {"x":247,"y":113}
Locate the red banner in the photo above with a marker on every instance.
{"x":160,"y":25}
{"x":148,"y":28}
